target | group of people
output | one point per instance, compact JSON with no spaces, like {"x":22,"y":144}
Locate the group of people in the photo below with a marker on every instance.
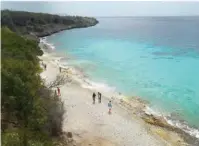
{"x":58,"y":93}
{"x":99,"y":100}
{"x":99,"y":97}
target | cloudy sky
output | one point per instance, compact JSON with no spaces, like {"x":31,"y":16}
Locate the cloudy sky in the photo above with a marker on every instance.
{"x":102,"y":8}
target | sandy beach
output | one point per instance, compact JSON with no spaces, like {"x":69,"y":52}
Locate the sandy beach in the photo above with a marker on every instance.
{"x":92,"y":125}
{"x":139,"y":60}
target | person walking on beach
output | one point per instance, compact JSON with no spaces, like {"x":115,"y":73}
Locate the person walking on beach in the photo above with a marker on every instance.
{"x":60,"y":69}
{"x":94,"y":97}
{"x":99,"y":97}
{"x":55,"y":93}
{"x":58,"y":91}
{"x":110,"y":107}
{"x":45,"y":66}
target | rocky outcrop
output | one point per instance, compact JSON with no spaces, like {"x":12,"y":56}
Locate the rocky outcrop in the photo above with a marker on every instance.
{"x":160,"y":122}
{"x":34,"y":25}
{"x":49,"y":30}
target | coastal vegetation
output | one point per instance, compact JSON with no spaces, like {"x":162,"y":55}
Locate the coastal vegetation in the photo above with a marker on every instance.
{"x":41,"y":24}
{"x":31,"y":114}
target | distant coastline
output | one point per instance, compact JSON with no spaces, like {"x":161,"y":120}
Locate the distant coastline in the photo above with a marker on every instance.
{"x":53,"y":31}
{"x":35,"y":25}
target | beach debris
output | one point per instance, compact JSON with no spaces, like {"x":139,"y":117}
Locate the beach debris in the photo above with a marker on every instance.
{"x":69,"y":134}
{"x":121,"y":100}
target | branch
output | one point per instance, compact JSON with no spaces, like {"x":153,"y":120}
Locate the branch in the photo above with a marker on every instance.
{"x":7,"y":121}
{"x":60,"y":80}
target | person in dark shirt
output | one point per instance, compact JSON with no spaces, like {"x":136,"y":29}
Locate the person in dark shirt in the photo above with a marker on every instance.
{"x":59,"y":69}
{"x":99,"y":97}
{"x":94,"y":95}
{"x":45,"y":66}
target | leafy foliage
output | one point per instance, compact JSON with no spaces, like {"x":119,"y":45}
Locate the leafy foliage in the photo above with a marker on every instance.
{"x":28,"y":107}
{"x":42,"y":24}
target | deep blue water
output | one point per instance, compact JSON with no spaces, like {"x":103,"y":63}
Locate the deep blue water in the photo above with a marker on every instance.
{"x":156,"y":58}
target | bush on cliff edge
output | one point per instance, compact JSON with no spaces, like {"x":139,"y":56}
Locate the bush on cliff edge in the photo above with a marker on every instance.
{"x":29,"y":117}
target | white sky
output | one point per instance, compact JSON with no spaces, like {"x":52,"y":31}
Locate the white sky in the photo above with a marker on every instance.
{"x":103,"y":8}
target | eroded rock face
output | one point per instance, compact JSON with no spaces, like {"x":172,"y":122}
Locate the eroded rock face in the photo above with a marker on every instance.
{"x":160,"y":122}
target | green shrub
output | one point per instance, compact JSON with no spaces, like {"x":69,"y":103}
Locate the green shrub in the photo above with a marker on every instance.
{"x":31,"y":114}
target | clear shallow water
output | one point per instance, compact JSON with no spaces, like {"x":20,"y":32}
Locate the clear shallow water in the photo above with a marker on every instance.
{"x":154,"y":58}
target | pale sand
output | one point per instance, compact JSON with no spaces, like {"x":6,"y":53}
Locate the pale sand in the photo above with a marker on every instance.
{"x":92,"y":125}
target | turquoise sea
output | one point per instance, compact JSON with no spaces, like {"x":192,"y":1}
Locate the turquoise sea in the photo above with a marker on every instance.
{"x":155,"y":58}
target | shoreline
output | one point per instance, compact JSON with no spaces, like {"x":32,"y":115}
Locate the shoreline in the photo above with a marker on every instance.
{"x":48,"y":26}
{"x":135,"y":106}
{"x":65,"y":28}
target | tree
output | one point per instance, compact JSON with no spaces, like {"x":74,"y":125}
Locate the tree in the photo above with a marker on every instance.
{"x":27,"y":104}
